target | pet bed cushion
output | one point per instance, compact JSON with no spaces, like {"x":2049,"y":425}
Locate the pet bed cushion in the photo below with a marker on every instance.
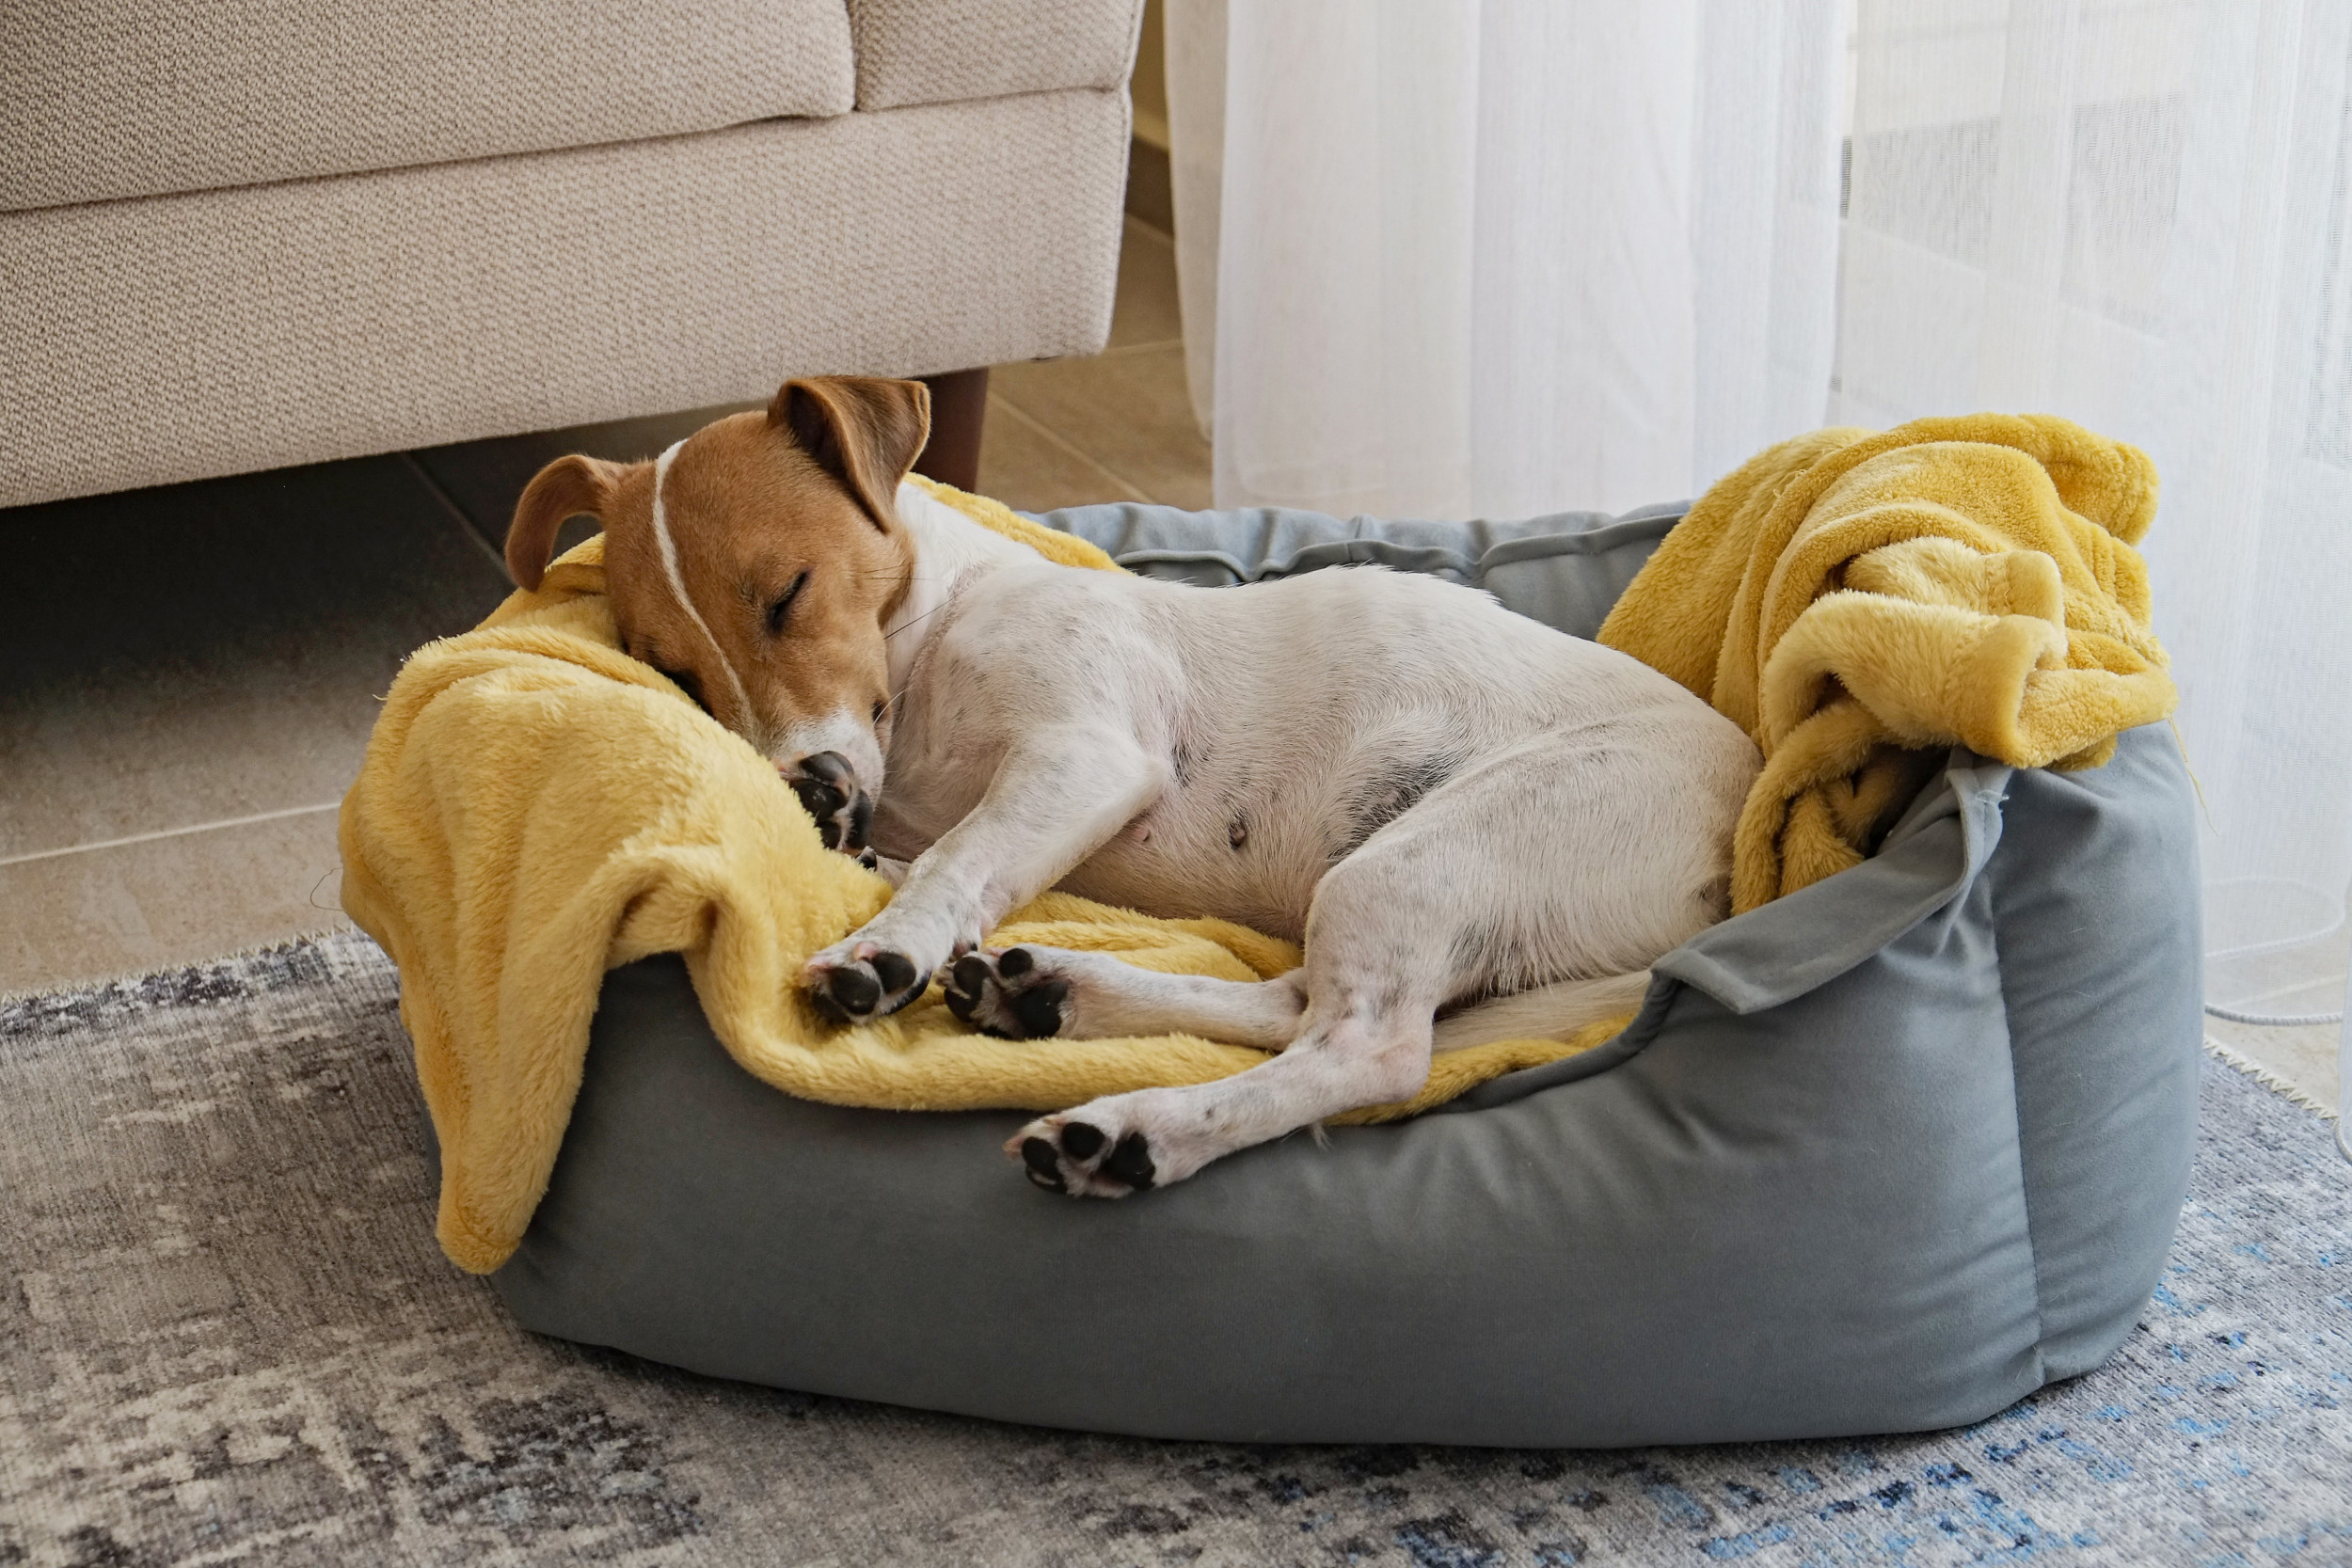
{"x":1887,"y":1153}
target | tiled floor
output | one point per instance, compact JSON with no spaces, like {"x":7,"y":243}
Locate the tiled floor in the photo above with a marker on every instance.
{"x":2304,"y":1055}
{"x":184,"y":700}
{"x":1116,"y":427}
{"x":186,"y":697}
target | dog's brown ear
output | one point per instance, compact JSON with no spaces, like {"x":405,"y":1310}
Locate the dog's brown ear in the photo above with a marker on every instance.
{"x":867,"y":431}
{"x":565,"y":489}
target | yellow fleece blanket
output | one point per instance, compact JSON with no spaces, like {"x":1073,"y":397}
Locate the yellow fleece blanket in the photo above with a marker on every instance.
{"x":1859,"y":602}
{"x":535,"y":807}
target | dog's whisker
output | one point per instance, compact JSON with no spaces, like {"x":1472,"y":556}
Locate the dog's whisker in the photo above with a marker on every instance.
{"x":912,"y":624}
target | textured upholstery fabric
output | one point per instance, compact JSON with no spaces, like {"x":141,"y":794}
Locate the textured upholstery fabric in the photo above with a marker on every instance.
{"x":151,"y":341}
{"x":947,"y":51}
{"x":104,"y":98}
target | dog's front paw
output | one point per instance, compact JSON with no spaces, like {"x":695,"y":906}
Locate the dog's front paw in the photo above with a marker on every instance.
{"x":1085,"y":1153}
{"x":1008,"y":993}
{"x":856,"y":982}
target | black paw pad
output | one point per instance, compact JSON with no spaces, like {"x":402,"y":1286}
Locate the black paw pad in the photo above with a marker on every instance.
{"x":1015,"y":962}
{"x":894,"y":971}
{"x":1044,"y":1167}
{"x":852,"y":991}
{"x":1039,"y":1008}
{"x":967,"y":980}
{"x":1130,"y":1161}
{"x":1083,"y":1139}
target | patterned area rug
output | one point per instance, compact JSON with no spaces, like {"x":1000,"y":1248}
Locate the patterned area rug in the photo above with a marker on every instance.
{"x":226,"y":1336}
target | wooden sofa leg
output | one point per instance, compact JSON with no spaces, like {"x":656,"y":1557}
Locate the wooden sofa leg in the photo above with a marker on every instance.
{"x":959,"y":407}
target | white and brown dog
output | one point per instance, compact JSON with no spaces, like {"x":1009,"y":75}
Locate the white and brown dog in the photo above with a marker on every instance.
{"x":1480,"y":828}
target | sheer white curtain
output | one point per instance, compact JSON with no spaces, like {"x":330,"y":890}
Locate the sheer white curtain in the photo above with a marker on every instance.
{"x":1445,"y":258}
{"x":1506,"y":257}
{"x":2135,"y":214}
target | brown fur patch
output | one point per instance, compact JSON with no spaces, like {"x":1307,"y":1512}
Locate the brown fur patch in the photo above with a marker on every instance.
{"x":752,"y":512}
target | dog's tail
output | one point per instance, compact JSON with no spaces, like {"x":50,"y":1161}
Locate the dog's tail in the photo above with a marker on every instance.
{"x":1551,"y":1012}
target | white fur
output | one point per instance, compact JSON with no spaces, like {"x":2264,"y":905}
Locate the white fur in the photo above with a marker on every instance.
{"x":948,"y":548}
{"x":1447,"y":802}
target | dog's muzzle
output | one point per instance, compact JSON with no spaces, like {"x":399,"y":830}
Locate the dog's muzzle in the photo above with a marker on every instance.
{"x":828,"y":787}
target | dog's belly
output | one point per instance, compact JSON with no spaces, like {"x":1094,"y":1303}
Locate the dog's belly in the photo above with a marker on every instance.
{"x":1206,"y":846}
{"x":1248,"y":836}
{"x":1295,"y":720}
{"x":1234,"y":834}
{"x":1180,"y":859}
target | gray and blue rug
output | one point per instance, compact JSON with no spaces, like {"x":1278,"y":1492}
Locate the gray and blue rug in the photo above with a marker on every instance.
{"x":226,"y":1336}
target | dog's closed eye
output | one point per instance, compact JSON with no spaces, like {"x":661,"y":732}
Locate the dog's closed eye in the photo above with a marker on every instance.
{"x":783,"y":606}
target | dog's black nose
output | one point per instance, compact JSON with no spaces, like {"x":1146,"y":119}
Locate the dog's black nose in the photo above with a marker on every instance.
{"x":830,"y":767}
{"x":821,"y":798}
{"x":824,"y":781}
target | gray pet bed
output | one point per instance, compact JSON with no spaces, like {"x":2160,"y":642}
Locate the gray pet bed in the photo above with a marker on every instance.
{"x":1887,"y":1154}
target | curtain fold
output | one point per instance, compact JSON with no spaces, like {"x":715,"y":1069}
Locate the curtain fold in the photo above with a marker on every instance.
{"x":1463,"y":256}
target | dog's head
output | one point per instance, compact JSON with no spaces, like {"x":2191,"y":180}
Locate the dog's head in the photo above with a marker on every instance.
{"x":754,"y":564}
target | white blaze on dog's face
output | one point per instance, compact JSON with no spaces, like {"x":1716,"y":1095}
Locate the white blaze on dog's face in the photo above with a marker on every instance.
{"x":756,"y":563}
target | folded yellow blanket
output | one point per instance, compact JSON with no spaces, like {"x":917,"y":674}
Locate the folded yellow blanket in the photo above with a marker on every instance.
{"x":536,"y":807}
{"x":1861,"y":601}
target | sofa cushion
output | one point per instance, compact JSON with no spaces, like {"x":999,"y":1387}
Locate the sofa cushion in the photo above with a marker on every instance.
{"x":947,"y":51}
{"x":149,"y":342}
{"x":106,"y":99}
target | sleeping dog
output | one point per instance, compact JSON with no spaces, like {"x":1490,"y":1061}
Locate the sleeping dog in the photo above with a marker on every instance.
{"x":1480,"y":828}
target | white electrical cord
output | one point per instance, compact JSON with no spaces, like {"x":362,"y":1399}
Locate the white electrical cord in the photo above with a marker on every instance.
{"x":2279,"y":1020}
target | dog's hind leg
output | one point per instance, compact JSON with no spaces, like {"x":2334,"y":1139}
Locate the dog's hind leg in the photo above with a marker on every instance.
{"x":1031,"y":991}
{"x":1378,"y":965}
{"x":1563,"y":859}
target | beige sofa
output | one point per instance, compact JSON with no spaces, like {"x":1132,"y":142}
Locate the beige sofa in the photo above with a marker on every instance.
{"x":256,"y":233}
